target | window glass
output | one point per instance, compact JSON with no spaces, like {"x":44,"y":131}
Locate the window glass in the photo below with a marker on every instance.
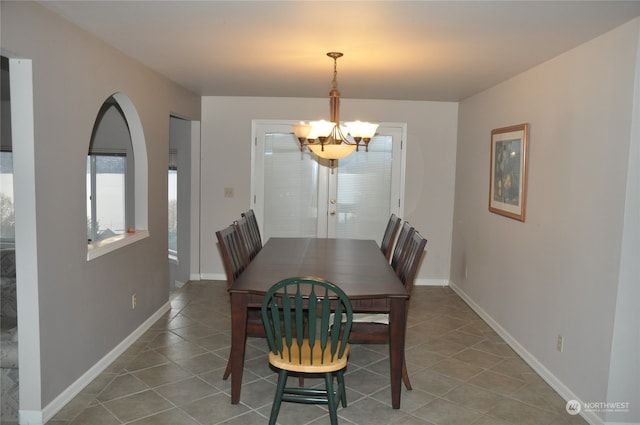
{"x":173,"y":204}
{"x":7,"y":214}
{"x":291,"y":187}
{"x":364,"y":190}
{"x":110,"y":175}
{"x":106,"y":196}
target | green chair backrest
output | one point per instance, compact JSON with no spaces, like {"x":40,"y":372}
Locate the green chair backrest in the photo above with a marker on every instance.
{"x":301,"y":307}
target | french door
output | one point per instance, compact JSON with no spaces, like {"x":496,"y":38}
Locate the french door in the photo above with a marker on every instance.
{"x":297,"y":194}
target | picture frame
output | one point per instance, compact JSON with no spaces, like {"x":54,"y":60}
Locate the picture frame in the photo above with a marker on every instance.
{"x":508,"y":171}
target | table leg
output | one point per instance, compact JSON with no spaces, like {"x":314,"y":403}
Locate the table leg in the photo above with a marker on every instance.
{"x":239,"y":303}
{"x":397,"y":327}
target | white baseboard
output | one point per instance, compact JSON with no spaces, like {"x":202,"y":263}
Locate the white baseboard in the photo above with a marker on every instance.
{"x":31,"y":417}
{"x":622,"y":423}
{"x":551,"y":379}
{"x":432,"y":282}
{"x":213,"y":276}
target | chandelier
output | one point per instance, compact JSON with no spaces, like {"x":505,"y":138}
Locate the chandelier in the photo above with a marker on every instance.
{"x":330,"y":139}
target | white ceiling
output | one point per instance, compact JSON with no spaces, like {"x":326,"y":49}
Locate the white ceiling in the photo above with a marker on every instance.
{"x":410,"y":50}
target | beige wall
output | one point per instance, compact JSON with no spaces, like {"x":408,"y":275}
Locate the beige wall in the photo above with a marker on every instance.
{"x":226,"y":162}
{"x":84,"y":307}
{"x":557,"y":273}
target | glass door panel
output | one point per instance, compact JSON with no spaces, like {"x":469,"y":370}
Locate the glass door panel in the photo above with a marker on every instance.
{"x":290,"y":190}
{"x":363,"y":192}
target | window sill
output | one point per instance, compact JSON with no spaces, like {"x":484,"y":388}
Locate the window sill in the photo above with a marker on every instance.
{"x":106,"y":246}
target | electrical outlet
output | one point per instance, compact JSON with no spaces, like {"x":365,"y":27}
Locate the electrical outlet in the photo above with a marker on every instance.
{"x":134,"y":301}
{"x":228,"y":192}
{"x":560,"y":343}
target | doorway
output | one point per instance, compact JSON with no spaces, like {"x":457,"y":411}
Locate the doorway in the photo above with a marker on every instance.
{"x":183,"y":201}
{"x":9,"y":379}
{"x":297,"y":194}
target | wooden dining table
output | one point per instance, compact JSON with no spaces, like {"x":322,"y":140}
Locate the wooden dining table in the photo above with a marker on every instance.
{"x":358,"y":267}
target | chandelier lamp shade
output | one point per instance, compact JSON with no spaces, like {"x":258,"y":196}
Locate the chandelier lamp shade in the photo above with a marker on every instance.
{"x":331,"y":139}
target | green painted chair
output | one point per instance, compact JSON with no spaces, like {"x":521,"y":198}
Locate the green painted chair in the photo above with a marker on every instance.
{"x":296,"y":313}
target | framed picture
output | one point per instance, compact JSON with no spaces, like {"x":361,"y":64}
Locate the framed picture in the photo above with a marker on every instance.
{"x":508,"y":182}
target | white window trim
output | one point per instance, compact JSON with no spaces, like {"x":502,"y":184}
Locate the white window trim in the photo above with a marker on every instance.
{"x":103,"y":247}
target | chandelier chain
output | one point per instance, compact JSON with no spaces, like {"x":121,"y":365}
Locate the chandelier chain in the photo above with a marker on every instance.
{"x":335,"y":56}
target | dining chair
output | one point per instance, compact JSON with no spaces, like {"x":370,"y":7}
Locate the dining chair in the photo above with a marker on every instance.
{"x":254,"y":230}
{"x":374,"y":328}
{"x":235,"y":261}
{"x":389,"y":236}
{"x":296,"y":313}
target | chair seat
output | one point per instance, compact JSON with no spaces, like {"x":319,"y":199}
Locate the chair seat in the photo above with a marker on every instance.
{"x":295,"y":361}
{"x":382,"y":318}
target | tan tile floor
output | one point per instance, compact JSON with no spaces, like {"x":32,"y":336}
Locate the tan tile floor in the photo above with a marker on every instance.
{"x":462,"y":373}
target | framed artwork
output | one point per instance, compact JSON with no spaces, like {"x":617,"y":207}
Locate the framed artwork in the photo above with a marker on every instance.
{"x":508,"y":181}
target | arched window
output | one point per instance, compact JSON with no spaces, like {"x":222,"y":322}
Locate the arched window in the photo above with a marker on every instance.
{"x":116,"y":178}
{"x":110,"y":175}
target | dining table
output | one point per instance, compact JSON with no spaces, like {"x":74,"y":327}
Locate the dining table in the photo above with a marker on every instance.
{"x":357,"y":266}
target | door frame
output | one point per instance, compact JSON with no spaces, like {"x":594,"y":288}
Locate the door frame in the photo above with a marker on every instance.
{"x":259,"y":125}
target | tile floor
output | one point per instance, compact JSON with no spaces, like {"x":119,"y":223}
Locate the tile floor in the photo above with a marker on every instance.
{"x":462,"y":373}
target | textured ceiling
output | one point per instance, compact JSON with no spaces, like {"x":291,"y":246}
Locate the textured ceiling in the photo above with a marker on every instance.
{"x":418,"y":50}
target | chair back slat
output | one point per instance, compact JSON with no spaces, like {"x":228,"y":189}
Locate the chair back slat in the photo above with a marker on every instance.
{"x":325,"y":306}
{"x":310,"y":302}
{"x":254,"y":230}
{"x":274,"y":332}
{"x":403,"y":238}
{"x":389,"y":236}
{"x":299,"y":315}
{"x":244,"y":233}
{"x":313,"y":314}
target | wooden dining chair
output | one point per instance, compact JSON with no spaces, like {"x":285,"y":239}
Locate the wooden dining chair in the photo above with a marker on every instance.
{"x":374,"y":328}
{"x":235,"y":260}
{"x":389,"y":236}
{"x":299,"y":316}
{"x":256,"y":239}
